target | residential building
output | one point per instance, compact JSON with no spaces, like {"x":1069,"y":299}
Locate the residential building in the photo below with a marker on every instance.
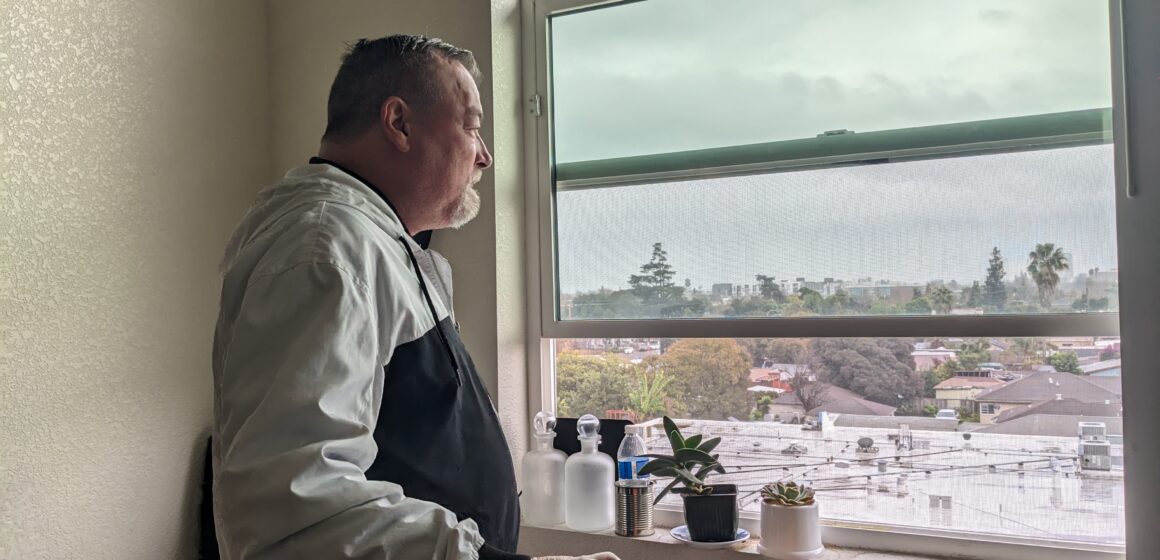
{"x":1036,"y":387}
{"x":837,"y":401}
{"x":926,"y":360}
{"x":1106,"y":368}
{"x":960,"y":391}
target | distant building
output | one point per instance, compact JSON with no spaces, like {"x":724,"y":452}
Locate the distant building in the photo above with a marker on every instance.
{"x":1106,"y":368}
{"x":926,"y":360}
{"x":721,"y":291}
{"x":1036,"y":387}
{"x":837,"y":401}
{"x":960,"y":391}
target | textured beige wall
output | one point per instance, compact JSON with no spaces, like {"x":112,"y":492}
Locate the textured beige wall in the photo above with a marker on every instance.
{"x":134,"y":135}
{"x":306,"y":40}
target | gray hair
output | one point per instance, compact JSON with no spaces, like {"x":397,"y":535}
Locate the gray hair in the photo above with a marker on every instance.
{"x":373,"y":70}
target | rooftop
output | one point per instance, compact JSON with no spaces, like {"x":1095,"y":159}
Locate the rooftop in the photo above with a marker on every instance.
{"x":961,"y":382}
{"x":1042,"y":386}
{"x":839,"y":400}
{"x":1017,"y":485}
{"x":1063,"y":407}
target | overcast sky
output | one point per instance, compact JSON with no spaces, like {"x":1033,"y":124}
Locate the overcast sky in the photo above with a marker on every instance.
{"x":669,"y":75}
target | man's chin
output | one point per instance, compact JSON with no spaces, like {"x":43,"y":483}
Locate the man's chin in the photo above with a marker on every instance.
{"x":468,"y":209}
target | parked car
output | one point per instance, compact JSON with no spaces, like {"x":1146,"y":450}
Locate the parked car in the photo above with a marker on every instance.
{"x":947,"y":413}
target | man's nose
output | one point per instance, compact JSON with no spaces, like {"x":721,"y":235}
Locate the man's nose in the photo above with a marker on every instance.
{"x":482,"y":156}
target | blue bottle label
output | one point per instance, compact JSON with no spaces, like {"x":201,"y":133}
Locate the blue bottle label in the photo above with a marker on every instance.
{"x":624,"y":467}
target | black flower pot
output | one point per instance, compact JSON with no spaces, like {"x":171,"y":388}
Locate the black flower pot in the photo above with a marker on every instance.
{"x":712,"y":517}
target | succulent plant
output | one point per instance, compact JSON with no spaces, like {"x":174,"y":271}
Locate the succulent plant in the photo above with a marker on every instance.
{"x":688,"y":454}
{"x":787,"y":494}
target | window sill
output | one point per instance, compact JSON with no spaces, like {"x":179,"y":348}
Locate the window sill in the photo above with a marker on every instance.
{"x":843,"y":542}
{"x":542,"y":541}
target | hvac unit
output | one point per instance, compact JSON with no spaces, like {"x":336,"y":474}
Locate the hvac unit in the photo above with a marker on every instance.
{"x":1093,"y":431}
{"x":1096,"y":455}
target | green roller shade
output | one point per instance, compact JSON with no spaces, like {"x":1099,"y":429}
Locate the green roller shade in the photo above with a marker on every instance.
{"x":1072,"y":127}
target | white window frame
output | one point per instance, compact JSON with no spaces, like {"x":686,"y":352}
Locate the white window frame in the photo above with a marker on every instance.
{"x":1136,"y":99}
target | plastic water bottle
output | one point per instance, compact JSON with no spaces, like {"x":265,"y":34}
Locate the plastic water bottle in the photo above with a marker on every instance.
{"x":543,"y":476}
{"x":588,"y":480}
{"x":630,"y":457}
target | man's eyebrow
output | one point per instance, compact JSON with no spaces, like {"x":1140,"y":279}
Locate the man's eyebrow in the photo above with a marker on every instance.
{"x":475,"y":112}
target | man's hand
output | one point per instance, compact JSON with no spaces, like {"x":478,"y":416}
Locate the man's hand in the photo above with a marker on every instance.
{"x":597,"y":556}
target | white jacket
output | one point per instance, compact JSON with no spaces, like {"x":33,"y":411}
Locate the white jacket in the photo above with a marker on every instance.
{"x":319,"y":294}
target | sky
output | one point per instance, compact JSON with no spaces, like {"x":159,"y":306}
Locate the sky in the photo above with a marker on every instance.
{"x":670,"y":75}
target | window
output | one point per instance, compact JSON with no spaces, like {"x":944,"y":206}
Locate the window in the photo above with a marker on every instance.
{"x":920,"y":198}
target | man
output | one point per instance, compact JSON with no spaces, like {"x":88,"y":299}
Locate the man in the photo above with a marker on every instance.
{"x":349,"y":419}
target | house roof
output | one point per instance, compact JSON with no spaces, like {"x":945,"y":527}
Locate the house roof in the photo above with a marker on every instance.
{"x":854,"y":406}
{"x":1110,"y":383}
{"x":893,"y":422}
{"x":843,"y":401}
{"x":1063,"y":407}
{"x":1052,"y":425}
{"x":958,"y":382}
{"x":1101,"y":366}
{"x":1042,"y":386}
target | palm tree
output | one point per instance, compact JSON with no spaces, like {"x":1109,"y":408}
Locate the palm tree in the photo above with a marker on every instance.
{"x":941,"y":299}
{"x":1047,"y":261}
{"x":648,"y":400}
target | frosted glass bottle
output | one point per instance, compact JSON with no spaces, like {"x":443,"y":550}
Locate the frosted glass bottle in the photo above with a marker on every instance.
{"x":543,"y":476}
{"x":588,"y":478}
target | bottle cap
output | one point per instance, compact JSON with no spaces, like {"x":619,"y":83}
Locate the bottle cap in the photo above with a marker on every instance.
{"x":588,"y":426}
{"x":544,"y":424}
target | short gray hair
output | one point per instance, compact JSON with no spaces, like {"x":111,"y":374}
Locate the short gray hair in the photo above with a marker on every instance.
{"x":374,"y":70}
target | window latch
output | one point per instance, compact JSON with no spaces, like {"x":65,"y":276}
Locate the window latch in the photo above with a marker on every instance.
{"x":534,"y":103}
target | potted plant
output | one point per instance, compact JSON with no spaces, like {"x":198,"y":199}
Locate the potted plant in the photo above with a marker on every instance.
{"x":789,"y":522}
{"x":710,"y":509}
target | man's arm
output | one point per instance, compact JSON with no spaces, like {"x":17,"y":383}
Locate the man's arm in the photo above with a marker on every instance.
{"x":299,"y":375}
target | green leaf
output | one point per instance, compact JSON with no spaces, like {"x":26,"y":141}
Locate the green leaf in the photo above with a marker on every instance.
{"x":657,"y":465}
{"x":705,"y":470}
{"x":693,"y":441}
{"x":709,"y":444}
{"x":693,"y":456}
{"x":674,"y":434}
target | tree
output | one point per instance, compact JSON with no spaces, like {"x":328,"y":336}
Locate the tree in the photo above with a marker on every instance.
{"x":769,"y":289}
{"x":938,"y":374}
{"x":942,"y":300}
{"x":1065,"y":361}
{"x":1029,"y":349}
{"x":974,"y":296}
{"x":918,"y":306}
{"x":995,"y":291}
{"x":776,"y":350}
{"x":971,"y":354}
{"x":710,"y":377}
{"x":880,"y":369}
{"x":1045,"y":264}
{"x":591,"y":384}
{"x":655,"y":281}
{"x":648,"y":399}
{"x":608,"y":305}
{"x":810,"y":391}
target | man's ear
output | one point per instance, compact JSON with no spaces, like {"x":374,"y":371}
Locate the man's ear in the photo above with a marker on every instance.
{"x":395,"y":122}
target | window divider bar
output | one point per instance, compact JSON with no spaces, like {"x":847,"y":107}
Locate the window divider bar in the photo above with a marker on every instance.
{"x":1078,"y":324}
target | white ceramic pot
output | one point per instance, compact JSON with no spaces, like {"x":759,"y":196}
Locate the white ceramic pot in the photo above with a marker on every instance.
{"x":790,"y":533}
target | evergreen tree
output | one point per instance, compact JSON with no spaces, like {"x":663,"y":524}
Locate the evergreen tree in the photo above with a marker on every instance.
{"x":995,"y":290}
{"x":655,"y":281}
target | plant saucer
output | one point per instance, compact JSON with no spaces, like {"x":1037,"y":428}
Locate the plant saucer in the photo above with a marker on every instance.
{"x":682,"y":534}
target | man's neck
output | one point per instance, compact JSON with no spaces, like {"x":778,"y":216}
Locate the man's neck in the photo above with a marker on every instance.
{"x":378,"y":177}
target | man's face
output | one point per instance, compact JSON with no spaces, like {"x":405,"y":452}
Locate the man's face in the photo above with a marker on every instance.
{"x":449,"y":148}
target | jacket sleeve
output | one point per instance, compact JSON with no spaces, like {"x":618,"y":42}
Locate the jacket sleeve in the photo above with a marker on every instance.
{"x":297,"y":388}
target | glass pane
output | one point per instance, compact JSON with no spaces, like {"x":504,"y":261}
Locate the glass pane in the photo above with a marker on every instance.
{"x":673,"y":75}
{"x":936,"y":236}
{"x":1018,"y":437}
